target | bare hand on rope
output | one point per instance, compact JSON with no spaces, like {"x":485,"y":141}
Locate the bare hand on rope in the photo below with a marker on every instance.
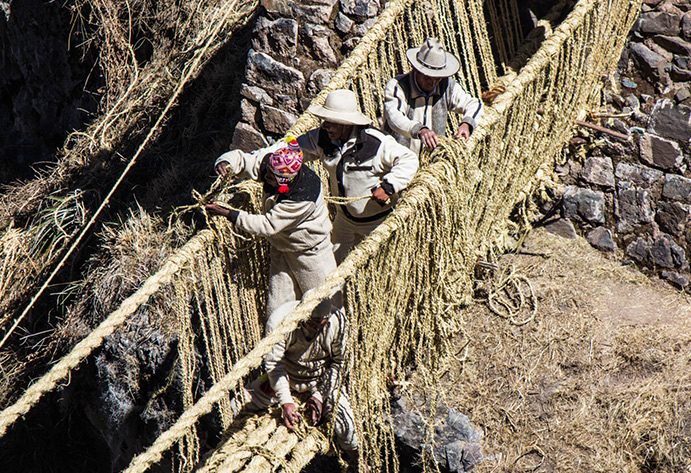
{"x":380,"y":195}
{"x":291,"y":416}
{"x":215,"y":209}
{"x":428,"y":138}
{"x":313,"y":409}
{"x":463,"y":131}
{"x":222,"y":168}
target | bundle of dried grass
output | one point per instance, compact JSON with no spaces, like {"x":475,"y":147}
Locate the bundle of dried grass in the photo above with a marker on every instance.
{"x":150,"y":52}
{"x":25,"y":254}
{"x":129,"y":251}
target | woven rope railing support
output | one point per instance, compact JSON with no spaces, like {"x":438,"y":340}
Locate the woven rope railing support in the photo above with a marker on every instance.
{"x":255,"y":431}
{"x":494,"y":136}
{"x":84,"y":348}
{"x":203,"y":406}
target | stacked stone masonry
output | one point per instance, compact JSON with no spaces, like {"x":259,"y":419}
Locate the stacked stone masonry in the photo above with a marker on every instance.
{"x":634,"y":196}
{"x":296,"y":48}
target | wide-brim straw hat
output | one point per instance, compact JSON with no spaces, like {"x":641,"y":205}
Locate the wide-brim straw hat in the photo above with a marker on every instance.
{"x":340,"y":106}
{"x":432,"y":59}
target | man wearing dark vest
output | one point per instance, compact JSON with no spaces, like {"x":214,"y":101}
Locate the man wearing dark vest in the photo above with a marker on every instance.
{"x":295,"y":218}
{"x":417,"y":103}
{"x":366,"y":167}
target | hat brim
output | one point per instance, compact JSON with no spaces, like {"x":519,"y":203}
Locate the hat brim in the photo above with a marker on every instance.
{"x":452,"y":64}
{"x":344,"y":118}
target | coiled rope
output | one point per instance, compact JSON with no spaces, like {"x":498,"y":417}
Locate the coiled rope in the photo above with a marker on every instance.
{"x":498,"y":138}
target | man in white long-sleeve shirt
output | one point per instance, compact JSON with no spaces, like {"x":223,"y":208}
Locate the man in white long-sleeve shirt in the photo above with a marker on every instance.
{"x":362,"y":162}
{"x":295,"y":219}
{"x":308,"y":360}
{"x":417,"y":104}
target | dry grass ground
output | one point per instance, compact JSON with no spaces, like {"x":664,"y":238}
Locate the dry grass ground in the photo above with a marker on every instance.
{"x":599,"y":381}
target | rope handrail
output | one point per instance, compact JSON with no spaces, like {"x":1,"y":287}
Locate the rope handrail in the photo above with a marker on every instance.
{"x":84,"y":348}
{"x":127,"y":308}
{"x":335,"y":280}
{"x":360,"y":254}
{"x":417,"y":195}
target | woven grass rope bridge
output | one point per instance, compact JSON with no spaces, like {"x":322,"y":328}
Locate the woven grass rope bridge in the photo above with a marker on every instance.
{"x":456,"y":211}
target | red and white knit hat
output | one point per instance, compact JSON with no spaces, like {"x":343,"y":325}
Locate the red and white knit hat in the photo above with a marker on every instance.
{"x":286,"y":162}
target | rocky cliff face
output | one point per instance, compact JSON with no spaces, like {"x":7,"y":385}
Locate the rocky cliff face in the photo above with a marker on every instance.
{"x":47,"y":83}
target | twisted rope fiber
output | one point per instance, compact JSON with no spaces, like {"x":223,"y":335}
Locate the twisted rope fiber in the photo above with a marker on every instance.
{"x":50,"y":380}
{"x":306,"y":449}
{"x":254,"y":358}
{"x":256,"y":438}
{"x":192,"y":69}
{"x":375,"y":240}
{"x":224,"y":286}
{"x":273,"y":452}
{"x":255,"y":431}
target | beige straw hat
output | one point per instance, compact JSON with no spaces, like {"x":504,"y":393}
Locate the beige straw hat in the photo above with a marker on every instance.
{"x":340,"y":106}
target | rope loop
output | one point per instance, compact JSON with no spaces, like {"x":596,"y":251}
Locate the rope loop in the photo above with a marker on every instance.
{"x":511,"y":296}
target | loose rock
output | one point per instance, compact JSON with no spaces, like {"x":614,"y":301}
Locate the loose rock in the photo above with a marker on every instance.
{"x":671,"y":120}
{"x":661,"y":153}
{"x":666,"y":253}
{"x":601,"y":238}
{"x":677,"y":188}
{"x":633,"y":207}
{"x":562,"y":227}
{"x":598,"y":171}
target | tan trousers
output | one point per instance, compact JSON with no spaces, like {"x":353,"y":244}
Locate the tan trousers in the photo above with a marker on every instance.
{"x":346,"y":234}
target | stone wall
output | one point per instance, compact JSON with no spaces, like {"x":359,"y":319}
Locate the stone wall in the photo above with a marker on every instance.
{"x":295,"y":51}
{"x":296,"y":48}
{"x":634,"y":196}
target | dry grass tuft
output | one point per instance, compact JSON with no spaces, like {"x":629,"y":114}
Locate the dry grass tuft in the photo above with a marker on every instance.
{"x":130,"y":252}
{"x":25,"y":254}
{"x":582,"y":387}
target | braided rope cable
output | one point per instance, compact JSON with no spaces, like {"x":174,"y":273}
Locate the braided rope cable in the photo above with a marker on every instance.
{"x":254,"y":358}
{"x":246,"y":435}
{"x":60,"y":371}
{"x":235,"y":453}
{"x":272,"y":454}
{"x":306,"y":449}
{"x":358,"y":257}
{"x":191,"y":69}
{"x":364,"y":251}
